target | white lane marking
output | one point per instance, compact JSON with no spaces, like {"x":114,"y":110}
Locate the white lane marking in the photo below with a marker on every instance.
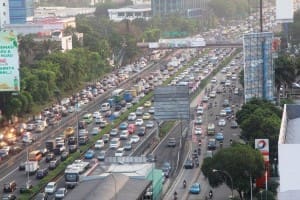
{"x":8,"y":174}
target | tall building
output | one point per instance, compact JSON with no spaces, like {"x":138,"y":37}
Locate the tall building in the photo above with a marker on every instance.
{"x":19,"y":10}
{"x":258,"y":66}
{"x":166,"y":7}
{"x":4,"y":13}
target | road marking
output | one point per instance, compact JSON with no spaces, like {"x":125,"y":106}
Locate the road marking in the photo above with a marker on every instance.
{"x":8,"y":174}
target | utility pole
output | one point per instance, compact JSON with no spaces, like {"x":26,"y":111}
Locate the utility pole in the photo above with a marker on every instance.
{"x":261,"y":15}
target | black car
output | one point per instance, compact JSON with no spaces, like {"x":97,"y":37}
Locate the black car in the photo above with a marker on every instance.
{"x":41,"y":173}
{"x":49,"y":157}
{"x":41,"y":196}
{"x":141,"y":131}
{"x":72,"y":140}
{"x":72,"y":148}
{"x":26,"y":188}
{"x":234,"y":124}
{"x":22,"y":166}
{"x":53,"y":164}
{"x":64,"y":155}
{"x":83,"y":140}
{"x":171,"y":142}
{"x":189,"y":164}
{"x":9,"y":197}
{"x":211,"y":144}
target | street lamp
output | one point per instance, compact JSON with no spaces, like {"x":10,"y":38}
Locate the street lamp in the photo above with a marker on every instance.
{"x":227,"y":174}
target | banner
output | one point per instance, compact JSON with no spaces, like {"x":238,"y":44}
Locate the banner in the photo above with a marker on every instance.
{"x":9,"y":62}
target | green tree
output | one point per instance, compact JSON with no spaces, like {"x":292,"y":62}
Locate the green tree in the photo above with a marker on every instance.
{"x":239,"y":161}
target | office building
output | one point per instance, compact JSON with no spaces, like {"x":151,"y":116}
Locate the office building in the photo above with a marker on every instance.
{"x":4,"y":14}
{"x":20,"y":10}
{"x":138,"y":11}
{"x":183,"y":7}
{"x":288,"y":151}
{"x":258,"y":66}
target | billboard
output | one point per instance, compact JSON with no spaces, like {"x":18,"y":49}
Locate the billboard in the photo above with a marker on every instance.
{"x":263,"y":146}
{"x":171,"y":102}
{"x":9,"y":62}
{"x":284,"y":11}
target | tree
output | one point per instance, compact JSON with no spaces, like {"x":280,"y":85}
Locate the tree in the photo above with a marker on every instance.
{"x":239,"y":161}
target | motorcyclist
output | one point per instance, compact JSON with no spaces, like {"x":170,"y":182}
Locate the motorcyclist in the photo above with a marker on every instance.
{"x":210,"y":194}
{"x":184,"y":183}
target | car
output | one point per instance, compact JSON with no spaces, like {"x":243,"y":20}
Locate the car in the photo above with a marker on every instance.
{"x":96,"y":114}
{"x":219,"y":136}
{"x":51,"y":187}
{"x":22,"y":166}
{"x":124,"y":135}
{"x":72,"y":148}
{"x":222,"y":122}
{"x":199,"y":110}
{"x":26,"y":188}
{"x":114,"y":143}
{"x":89,"y":154}
{"x":151,"y":110}
{"x":101,"y":155}
{"x":119,"y":152}
{"x":123,"y":126}
{"x":139,"y":122}
{"x":53,"y":164}
{"x":135,"y":138}
{"x":213,"y":80}
{"x":60,"y":193}
{"x":99,"y":144}
{"x":128,"y":146}
{"x":234,"y":124}
{"x":139,"y":111}
{"x":41,"y":196}
{"x":166,"y":168}
{"x":171,"y":142}
{"x":225,"y":103}
{"x":149,"y":124}
{"x":198,"y":131}
{"x":205,"y":99}
{"x":198,"y":120}
{"x":69,"y":132}
{"x":9,"y":187}
{"x":151,"y":157}
{"x":64,"y":155}
{"x":223,"y":113}
{"x":189,"y":164}
{"x":95,"y":131}
{"x":146,"y":115}
{"x":49,"y":157}
{"x":195,"y":188}
{"x":147,"y":104}
{"x":228,"y":110}
{"x":9,"y":197}
{"x":113,"y":132}
{"x":211,"y":145}
{"x":141,"y":131}
{"x":131,"y":116}
{"x":105,"y":138}
{"x":41,"y":173}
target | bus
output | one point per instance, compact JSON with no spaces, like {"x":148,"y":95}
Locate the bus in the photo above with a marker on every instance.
{"x":88,"y":118}
{"x":35,"y":155}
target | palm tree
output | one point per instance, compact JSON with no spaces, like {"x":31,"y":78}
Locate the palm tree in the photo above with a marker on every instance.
{"x":285,"y":73}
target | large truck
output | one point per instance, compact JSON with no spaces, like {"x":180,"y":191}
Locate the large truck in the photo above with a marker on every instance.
{"x":73,"y":171}
{"x":31,"y":167}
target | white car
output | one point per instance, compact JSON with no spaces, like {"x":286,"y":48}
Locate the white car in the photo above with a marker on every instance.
{"x":99,"y":144}
{"x":139,"y":122}
{"x":135,"y":139}
{"x":150,"y":124}
{"x":198,"y":131}
{"x":50,"y":187}
{"x":95,"y":130}
{"x":96,"y":114}
{"x":222,"y":122}
{"x":131,"y":116}
{"x":199,"y":110}
{"x":124,"y":134}
{"x":119,"y":152}
{"x":223,"y":113}
{"x":114,"y":143}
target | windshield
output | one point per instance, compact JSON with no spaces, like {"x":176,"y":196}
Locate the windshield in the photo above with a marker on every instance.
{"x":71,"y":177}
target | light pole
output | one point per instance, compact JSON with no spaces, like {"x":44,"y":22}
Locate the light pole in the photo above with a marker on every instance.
{"x":227,"y":174}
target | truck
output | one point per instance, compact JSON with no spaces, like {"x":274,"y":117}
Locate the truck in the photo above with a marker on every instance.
{"x":211,"y":129}
{"x":31,"y":167}
{"x":50,"y":145}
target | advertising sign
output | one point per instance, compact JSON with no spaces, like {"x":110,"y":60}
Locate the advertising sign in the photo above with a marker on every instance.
{"x":263,"y":146}
{"x":284,"y":11}
{"x":9,"y":62}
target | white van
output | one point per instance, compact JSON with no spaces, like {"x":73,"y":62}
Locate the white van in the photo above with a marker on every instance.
{"x":105,"y":107}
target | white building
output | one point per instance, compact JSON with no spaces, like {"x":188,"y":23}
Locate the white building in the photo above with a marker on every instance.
{"x":4,"y":13}
{"x":131,"y":12}
{"x":43,"y":12}
{"x":288,"y":152}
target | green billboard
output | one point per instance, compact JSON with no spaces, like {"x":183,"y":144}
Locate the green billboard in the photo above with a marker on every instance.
{"x":9,"y":62}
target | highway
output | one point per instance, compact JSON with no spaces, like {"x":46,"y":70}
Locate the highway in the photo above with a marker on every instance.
{"x":195,"y":175}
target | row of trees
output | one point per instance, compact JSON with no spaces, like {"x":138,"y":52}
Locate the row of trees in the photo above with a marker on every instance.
{"x":258,"y":119}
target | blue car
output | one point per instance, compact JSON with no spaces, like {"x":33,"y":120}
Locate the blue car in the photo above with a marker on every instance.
{"x":123,"y":126}
{"x":195,"y":188}
{"x":228,"y":110}
{"x":219,"y":137}
{"x":89,"y":154}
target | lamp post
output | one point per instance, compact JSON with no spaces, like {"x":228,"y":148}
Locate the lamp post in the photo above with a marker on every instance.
{"x":227,"y":174}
